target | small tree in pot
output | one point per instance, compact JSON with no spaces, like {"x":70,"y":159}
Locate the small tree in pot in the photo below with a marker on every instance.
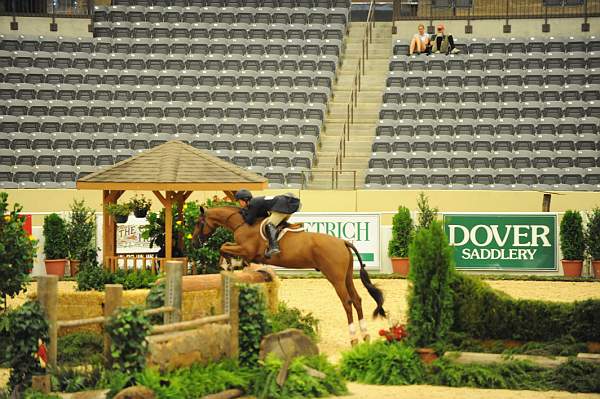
{"x":402,"y":232}
{"x":56,"y":245}
{"x":592,"y":240}
{"x":572,"y":243}
{"x":81,"y":230}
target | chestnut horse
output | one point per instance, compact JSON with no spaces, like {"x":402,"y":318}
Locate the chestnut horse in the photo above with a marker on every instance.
{"x":299,"y":250}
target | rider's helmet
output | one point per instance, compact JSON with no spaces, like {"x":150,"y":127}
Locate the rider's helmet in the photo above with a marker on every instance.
{"x":243,"y":194}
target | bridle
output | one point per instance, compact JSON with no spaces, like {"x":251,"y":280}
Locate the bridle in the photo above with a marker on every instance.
{"x":201,"y":222}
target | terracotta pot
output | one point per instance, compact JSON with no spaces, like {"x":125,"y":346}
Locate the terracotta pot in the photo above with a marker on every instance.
{"x":572,"y":268}
{"x":596,"y":268}
{"x":400,"y":266}
{"x":140,"y":213}
{"x":427,"y":355}
{"x":593,"y":347}
{"x":74,"y":267}
{"x":56,"y":266}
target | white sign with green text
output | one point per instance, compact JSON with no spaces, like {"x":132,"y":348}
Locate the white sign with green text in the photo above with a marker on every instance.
{"x":362,"y":229}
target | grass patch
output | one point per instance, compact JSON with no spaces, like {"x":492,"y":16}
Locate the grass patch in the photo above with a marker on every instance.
{"x":80,"y":348}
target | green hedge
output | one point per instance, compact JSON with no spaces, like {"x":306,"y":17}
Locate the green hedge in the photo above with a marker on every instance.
{"x":482,"y":312}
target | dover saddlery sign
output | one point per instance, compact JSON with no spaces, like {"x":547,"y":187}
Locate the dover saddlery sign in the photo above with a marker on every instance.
{"x":362,"y":229}
{"x":497,"y":241}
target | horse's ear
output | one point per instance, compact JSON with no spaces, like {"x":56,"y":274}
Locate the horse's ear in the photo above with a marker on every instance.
{"x":202,"y":210}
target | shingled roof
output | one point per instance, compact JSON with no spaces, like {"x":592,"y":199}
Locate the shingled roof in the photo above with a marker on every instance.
{"x":172,"y":166}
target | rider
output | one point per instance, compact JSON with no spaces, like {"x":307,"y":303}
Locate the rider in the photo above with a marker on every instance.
{"x":277,"y":210}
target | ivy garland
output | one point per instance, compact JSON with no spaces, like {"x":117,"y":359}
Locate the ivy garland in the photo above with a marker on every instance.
{"x":253,"y":324}
{"x":128,"y":330}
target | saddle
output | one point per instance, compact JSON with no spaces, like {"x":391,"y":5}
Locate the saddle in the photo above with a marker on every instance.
{"x":282,"y":229}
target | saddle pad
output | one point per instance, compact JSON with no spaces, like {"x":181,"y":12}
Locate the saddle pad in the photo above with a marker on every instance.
{"x":293,"y":228}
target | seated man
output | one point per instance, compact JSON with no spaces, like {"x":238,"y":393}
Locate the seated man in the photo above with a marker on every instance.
{"x":442,"y":42}
{"x":277,"y":210}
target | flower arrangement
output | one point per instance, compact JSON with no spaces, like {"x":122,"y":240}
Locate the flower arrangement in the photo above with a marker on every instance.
{"x":396,"y":333}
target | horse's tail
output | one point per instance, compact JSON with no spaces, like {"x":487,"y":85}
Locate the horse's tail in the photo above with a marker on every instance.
{"x":375,"y":292}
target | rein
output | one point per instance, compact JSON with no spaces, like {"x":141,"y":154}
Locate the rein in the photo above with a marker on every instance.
{"x":236,"y":226}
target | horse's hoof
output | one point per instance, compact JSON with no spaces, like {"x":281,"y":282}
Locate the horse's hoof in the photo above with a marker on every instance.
{"x":354,"y":342}
{"x":366,"y":338}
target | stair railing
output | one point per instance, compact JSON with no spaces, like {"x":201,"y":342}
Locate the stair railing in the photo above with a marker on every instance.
{"x":353,"y":104}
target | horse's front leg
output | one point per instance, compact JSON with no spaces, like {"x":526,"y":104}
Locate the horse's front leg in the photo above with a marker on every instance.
{"x":234,"y":250}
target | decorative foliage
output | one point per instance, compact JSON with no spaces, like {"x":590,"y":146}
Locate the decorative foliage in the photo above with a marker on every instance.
{"x":56,"y":243}
{"x":91,"y":277}
{"x":17,"y":251}
{"x":289,"y":317}
{"x":94,"y":277}
{"x":156,"y":299}
{"x":592,"y":234}
{"x":402,"y":232}
{"x":572,"y":243}
{"x":81,"y":230}
{"x":395,"y":333}
{"x":253,"y":323}
{"x":383,"y":363}
{"x":21,"y":330}
{"x":426,"y":213}
{"x":483,"y":313}
{"x":430,"y":297}
{"x":299,"y":384}
{"x":128,"y":329}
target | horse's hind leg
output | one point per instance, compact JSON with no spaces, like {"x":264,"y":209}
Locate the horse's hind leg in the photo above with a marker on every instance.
{"x":339,"y":284}
{"x":357,"y":301}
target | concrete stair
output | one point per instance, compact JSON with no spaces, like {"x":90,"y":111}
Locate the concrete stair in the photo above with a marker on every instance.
{"x":366,"y":114}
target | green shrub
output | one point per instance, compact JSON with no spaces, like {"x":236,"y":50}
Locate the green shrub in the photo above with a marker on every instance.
{"x":128,"y":348}
{"x":117,"y":209}
{"x":572,"y":243}
{"x":21,"y":330}
{"x":402,"y":232}
{"x":31,"y":394}
{"x":75,"y":379}
{"x":81,"y":230}
{"x":483,"y":313}
{"x":91,"y":277}
{"x":430,"y":298}
{"x":133,"y":280}
{"x":383,"y":363}
{"x":17,"y":251}
{"x":56,"y":245}
{"x":592,"y":234}
{"x":576,"y":376}
{"x":80,"y":348}
{"x":298,"y":384}
{"x":289,"y":317}
{"x":427,"y":214}
{"x":253,"y":323}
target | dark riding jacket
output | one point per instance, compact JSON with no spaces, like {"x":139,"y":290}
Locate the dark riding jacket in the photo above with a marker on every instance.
{"x":259,"y":207}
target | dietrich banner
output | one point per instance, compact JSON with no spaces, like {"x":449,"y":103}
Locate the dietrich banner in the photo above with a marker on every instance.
{"x":501,"y":241}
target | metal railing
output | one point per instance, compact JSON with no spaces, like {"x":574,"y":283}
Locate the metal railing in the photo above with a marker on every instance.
{"x":49,"y":8}
{"x":353,"y":103}
{"x":488,"y":9}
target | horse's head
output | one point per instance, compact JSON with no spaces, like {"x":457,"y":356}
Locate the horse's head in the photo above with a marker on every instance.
{"x":203,"y":228}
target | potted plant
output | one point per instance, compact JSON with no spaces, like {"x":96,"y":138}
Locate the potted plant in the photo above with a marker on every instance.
{"x":572,"y":243}
{"x":55,"y":244}
{"x":119,"y":211}
{"x":592,"y":240}
{"x":402,"y":231}
{"x":81,"y":232}
{"x":140,"y":206}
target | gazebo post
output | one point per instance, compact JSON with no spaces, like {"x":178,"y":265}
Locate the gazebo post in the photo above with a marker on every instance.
{"x":169,"y":224}
{"x":109,"y":227}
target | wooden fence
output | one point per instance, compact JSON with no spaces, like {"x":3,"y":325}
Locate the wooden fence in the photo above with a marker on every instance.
{"x":47,"y":288}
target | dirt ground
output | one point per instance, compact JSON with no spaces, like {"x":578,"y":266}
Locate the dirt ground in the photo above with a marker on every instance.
{"x":319,"y":298}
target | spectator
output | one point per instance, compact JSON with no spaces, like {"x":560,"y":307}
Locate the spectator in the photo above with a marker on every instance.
{"x":442,"y":42}
{"x":420,"y":41}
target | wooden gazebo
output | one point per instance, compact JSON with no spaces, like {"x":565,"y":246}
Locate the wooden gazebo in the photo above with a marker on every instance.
{"x":175,"y":168}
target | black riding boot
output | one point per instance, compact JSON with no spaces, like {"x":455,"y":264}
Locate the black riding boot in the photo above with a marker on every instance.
{"x":271,"y":232}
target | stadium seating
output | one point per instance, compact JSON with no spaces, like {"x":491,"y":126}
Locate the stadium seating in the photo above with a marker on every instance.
{"x":250,"y":82}
{"x":516,"y":113}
